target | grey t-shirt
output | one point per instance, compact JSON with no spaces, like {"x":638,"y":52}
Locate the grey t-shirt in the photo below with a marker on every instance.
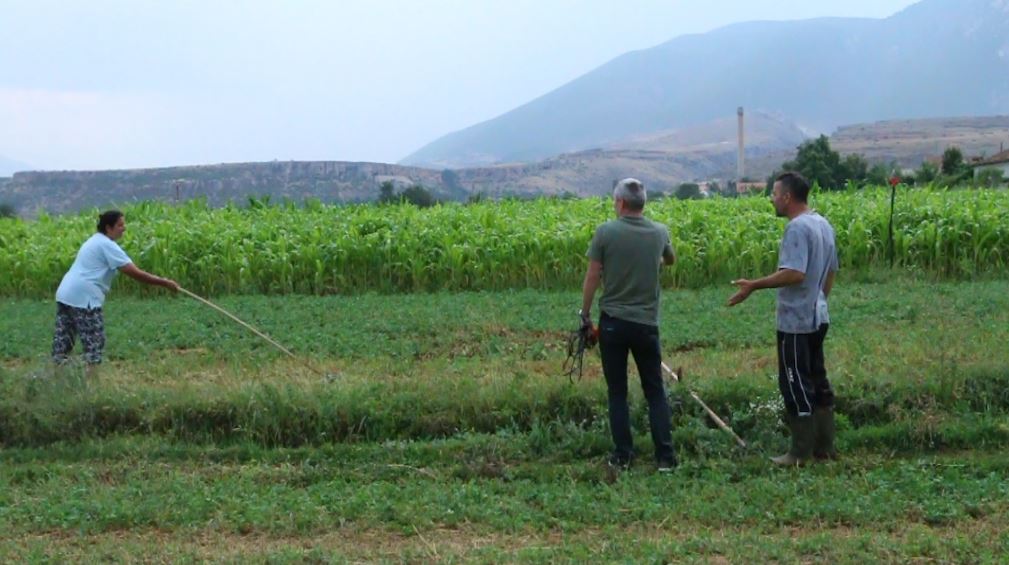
{"x":808,"y":247}
{"x":631,"y":251}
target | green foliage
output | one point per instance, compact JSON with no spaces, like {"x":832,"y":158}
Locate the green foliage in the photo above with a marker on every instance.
{"x":989,"y":177}
{"x":387,"y":193}
{"x":927,"y":172}
{"x":450,"y":179}
{"x":881,"y":173}
{"x":854,"y":168}
{"x":819,"y":164}
{"x":826,"y":168}
{"x":688,"y":191}
{"x":419,"y":196}
{"x":952,"y":161}
{"x":323,"y":249}
{"x":8,"y":210}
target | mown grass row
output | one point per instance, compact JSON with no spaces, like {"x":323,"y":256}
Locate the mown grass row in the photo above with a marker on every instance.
{"x":320,"y":249}
{"x":966,"y":409}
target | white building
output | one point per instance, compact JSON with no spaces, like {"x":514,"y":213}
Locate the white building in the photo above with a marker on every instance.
{"x":998,"y":161}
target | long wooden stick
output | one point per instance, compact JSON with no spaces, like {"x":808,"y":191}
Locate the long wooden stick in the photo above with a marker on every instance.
{"x":251,"y":329}
{"x":711,"y":413}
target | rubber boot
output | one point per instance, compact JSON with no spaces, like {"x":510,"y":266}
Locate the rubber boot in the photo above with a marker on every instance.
{"x":803,"y":435}
{"x":823,"y":422}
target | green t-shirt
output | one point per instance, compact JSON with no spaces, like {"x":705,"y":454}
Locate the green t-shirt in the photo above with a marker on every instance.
{"x":631,"y":251}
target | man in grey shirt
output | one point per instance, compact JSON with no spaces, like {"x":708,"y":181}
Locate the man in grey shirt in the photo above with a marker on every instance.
{"x":626,"y":256}
{"x":807,"y":262}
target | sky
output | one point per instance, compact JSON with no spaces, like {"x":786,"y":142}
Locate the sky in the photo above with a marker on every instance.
{"x":100,"y":84}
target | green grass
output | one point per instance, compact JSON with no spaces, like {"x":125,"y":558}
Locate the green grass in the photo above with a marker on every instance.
{"x":451,"y":435}
{"x":488,"y":493}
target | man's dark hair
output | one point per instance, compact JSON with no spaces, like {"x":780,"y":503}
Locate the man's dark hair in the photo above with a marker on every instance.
{"x":795,"y":184}
{"x":108,"y":219}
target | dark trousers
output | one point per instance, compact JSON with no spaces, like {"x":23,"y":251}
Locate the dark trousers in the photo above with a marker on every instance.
{"x":617,"y":338}
{"x":802,"y":377}
{"x":71,"y":323}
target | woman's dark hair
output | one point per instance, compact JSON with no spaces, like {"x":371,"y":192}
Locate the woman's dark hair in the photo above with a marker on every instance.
{"x":108,"y":219}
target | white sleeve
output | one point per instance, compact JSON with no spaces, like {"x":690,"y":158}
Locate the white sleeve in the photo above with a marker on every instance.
{"x":115,"y":256}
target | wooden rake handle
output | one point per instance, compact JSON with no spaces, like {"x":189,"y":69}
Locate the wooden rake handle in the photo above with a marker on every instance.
{"x":711,"y":413}
{"x":250,"y":328}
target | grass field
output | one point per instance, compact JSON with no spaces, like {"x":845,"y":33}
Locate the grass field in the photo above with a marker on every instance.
{"x":449,"y":434}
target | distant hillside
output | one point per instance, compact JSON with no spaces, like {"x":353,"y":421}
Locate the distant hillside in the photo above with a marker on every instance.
{"x":935,"y":58}
{"x":585,"y":173}
{"x":909,"y":142}
{"x":662,"y":161}
{"x":329,"y":181}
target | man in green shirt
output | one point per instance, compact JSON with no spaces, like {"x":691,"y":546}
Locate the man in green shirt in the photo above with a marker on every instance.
{"x":626,"y":256}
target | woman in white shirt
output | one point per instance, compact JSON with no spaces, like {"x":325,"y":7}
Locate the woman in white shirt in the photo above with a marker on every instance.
{"x":81,"y":293}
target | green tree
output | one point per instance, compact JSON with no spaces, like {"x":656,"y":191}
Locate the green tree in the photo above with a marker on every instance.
{"x":450,"y":180}
{"x":419,"y":196}
{"x":387,"y":193}
{"x":926,"y":173}
{"x":952,"y":161}
{"x":8,"y":210}
{"x":879,"y":175}
{"x":855,"y":168}
{"x":820,"y":164}
{"x":688,"y":191}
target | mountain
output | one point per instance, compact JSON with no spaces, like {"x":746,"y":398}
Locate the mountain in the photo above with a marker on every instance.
{"x":934,"y":58}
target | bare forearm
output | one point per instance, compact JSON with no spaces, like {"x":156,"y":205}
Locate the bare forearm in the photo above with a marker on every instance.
{"x":140,"y":275}
{"x":784,"y":277}
{"x":590,"y":285}
{"x":828,"y":284}
{"x":669,"y":259}
{"x":589,"y":288}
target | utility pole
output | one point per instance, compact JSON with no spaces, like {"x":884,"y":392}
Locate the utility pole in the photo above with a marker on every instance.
{"x":739,"y":158}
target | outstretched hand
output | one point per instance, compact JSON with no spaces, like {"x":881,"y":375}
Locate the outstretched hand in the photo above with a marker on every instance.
{"x":171,"y":285}
{"x":746,"y":287}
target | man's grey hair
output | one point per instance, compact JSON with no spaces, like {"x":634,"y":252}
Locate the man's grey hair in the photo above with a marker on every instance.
{"x":632,"y":192}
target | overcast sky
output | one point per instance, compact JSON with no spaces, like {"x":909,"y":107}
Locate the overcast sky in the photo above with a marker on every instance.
{"x":95,"y":84}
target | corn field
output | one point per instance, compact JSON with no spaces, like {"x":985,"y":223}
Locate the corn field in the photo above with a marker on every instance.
{"x":322,"y":249}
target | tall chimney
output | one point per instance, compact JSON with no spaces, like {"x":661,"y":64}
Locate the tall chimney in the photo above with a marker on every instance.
{"x":739,"y":158}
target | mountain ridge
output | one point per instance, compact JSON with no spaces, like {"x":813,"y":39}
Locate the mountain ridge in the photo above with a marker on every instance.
{"x":913,"y":64}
